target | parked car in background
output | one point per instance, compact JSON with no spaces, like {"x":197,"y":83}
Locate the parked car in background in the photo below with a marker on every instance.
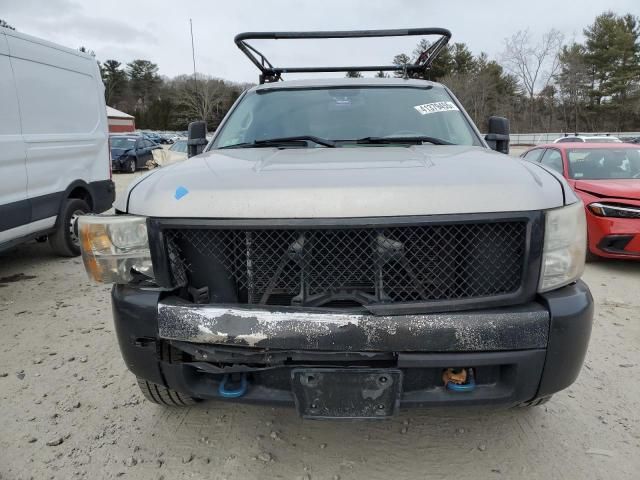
{"x":154,"y":137}
{"x":177,"y":152}
{"x":54,"y":154}
{"x":169,"y":138}
{"x":607,"y":178}
{"x":588,"y":139}
{"x":130,"y":152}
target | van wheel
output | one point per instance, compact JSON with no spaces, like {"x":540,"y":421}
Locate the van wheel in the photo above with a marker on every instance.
{"x":65,"y":241}
{"x":164,"y":396}
{"x":131,"y":165}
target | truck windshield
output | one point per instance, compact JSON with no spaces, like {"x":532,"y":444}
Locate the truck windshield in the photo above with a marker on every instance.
{"x":604,"y":163}
{"x":346,"y":115}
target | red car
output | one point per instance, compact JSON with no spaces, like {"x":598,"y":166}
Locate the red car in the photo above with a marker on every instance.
{"x":606,"y":176}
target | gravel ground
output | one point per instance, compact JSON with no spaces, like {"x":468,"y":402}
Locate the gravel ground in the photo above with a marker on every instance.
{"x":70,"y":409}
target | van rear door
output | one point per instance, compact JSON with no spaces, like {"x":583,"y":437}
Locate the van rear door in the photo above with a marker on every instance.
{"x":15,"y":209}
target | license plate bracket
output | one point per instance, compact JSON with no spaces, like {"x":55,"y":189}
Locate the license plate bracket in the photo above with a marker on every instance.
{"x":346,"y":393}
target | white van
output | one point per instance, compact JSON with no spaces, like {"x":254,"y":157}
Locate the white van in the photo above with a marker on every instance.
{"x":54,"y":148}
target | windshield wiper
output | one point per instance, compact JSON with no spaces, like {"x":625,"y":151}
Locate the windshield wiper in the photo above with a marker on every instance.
{"x":275,"y":142}
{"x":417,"y":140}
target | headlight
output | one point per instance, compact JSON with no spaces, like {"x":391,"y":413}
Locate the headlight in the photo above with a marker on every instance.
{"x":565,"y":243}
{"x":614,"y":210}
{"x":114,"y":247}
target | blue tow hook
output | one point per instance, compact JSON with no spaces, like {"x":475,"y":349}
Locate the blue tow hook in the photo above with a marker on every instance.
{"x":469,"y":386}
{"x":233,"y":393}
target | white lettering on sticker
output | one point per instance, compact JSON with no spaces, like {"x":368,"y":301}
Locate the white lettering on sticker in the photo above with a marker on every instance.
{"x":436,"y":107}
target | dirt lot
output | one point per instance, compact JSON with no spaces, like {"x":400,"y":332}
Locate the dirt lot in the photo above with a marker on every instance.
{"x":70,"y":409}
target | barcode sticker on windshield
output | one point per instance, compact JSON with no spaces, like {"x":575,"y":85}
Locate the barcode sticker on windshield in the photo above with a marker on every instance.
{"x":436,"y":107}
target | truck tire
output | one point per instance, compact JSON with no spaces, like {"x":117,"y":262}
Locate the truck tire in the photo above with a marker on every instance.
{"x":65,"y":240}
{"x":535,"y":402}
{"x":164,"y":396}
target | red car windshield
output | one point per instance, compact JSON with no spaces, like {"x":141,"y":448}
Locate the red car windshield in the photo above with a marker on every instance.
{"x":604,"y":163}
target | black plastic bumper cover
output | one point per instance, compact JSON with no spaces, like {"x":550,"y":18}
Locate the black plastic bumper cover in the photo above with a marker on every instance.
{"x":529,"y":351}
{"x":103,"y":193}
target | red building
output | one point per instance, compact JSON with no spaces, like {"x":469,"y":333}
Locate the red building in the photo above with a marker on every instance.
{"x":119,"y":121}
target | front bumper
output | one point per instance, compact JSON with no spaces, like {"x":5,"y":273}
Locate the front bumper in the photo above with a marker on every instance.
{"x":117,"y":164}
{"x":518,"y":353}
{"x":103,"y":193}
{"x":613,"y":237}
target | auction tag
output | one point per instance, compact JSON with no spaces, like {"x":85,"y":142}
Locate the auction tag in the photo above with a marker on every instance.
{"x":436,"y":107}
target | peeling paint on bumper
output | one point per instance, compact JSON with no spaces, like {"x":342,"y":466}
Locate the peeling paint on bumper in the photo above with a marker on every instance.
{"x":523,"y":327}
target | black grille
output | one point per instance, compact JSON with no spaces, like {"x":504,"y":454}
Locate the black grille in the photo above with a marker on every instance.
{"x":348,"y":267}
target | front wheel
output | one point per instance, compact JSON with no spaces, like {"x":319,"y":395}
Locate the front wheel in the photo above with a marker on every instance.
{"x":131,"y":165}
{"x":535,"y":402}
{"x":65,"y":241}
{"x":164,"y":396}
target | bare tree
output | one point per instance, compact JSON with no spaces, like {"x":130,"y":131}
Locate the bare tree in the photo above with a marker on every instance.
{"x":203,"y":98}
{"x":533,"y":64}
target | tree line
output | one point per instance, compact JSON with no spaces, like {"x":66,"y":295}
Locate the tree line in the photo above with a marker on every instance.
{"x":162,"y":103}
{"x":544,"y":84}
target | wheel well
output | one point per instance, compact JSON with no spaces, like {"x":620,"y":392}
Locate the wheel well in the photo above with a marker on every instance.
{"x":83,"y":194}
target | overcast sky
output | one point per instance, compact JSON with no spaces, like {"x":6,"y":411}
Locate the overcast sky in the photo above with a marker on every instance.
{"x":158,"y":30}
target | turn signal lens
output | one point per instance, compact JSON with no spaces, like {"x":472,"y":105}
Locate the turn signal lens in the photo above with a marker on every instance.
{"x":565,"y":243}
{"x":115,"y":248}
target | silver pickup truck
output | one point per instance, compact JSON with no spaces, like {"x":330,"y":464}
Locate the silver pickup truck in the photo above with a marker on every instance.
{"x":349,"y":247}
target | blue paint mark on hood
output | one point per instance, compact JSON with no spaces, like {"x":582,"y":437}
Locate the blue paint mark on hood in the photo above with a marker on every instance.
{"x":181,"y":192}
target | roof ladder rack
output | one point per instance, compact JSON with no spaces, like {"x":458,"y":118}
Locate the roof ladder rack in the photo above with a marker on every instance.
{"x":270,"y":73}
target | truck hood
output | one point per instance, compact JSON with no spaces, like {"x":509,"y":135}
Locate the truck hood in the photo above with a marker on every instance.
{"x":372,"y":181}
{"x":628,"y":188}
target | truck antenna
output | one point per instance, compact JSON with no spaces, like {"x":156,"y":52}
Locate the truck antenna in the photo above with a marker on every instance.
{"x":193,"y":51}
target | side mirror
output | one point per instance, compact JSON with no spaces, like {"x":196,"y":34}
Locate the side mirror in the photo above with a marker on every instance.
{"x":197,"y":138}
{"x":498,"y":136}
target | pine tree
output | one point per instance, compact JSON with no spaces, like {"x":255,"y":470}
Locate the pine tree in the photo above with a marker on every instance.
{"x":613,"y":54}
{"x":115,"y":81}
{"x":143,"y":79}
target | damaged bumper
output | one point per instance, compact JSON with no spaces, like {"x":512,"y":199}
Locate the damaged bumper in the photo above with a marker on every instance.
{"x":517,"y":353}
{"x":518,"y":328}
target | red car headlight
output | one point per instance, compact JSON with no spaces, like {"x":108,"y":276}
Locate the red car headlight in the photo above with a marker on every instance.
{"x":614,"y":210}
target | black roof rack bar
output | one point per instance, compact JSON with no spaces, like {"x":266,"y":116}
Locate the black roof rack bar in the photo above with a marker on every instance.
{"x":269,"y":73}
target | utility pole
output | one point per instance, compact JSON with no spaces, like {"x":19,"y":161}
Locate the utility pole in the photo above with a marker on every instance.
{"x":193,"y":50}
{"x":193,"y":56}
